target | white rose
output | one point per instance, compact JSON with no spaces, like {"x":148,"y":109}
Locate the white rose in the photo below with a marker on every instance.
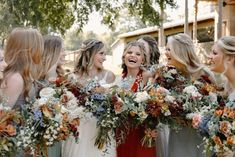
{"x":72,"y":77}
{"x":213,"y":97}
{"x":173,"y":71}
{"x":169,"y":98}
{"x":141,"y":97}
{"x":192,"y":90}
{"x":40,"y":102}
{"x":47,"y":92}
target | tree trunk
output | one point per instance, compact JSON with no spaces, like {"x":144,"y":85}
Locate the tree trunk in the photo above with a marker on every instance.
{"x":218,"y":20}
{"x":195,"y":22}
{"x":161,"y":39}
{"x":186,"y":31}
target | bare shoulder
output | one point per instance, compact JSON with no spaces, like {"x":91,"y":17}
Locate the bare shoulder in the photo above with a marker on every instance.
{"x":14,"y":79}
{"x":13,"y":87}
{"x":110,"y":76}
{"x":147,"y":74}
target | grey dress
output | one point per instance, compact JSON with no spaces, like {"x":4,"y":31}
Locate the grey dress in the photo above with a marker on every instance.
{"x":185,"y":143}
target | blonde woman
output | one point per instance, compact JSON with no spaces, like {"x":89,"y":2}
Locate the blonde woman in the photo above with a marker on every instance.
{"x":134,"y":78}
{"x":180,"y":52}
{"x":223,"y":62}
{"x":53,"y":51}
{"x":23,"y":57}
{"x":89,"y":65}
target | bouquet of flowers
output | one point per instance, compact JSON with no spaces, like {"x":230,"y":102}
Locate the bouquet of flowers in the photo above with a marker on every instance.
{"x":218,"y":126}
{"x":164,"y":105}
{"x":49,"y":119}
{"x":9,"y":122}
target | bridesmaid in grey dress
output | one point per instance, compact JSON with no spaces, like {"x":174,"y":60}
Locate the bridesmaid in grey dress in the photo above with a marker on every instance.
{"x":22,"y":55}
{"x":180,"y":52}
{"x":52,"y":58}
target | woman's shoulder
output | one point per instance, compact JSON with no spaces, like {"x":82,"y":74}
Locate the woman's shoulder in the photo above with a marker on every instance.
{"x":110,"y":77}
{"x":146,"y":74}
{"x":14,"y":79}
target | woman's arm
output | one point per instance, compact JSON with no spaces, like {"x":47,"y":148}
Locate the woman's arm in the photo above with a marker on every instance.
{"x":146,"y":76}
{"x":13,"y":88}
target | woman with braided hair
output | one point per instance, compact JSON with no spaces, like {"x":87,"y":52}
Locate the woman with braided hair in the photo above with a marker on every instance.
{"x":223,"y":62}
{"x":180,"y":52}
{"x":89,"y":65}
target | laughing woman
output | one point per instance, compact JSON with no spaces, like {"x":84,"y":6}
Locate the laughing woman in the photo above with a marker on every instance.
{"x":134,"y":58}
{"x":89,"y":65}
{"x":180,"y":52}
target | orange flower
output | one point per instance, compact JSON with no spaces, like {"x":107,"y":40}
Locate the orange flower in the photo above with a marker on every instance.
{"x":75,"y":122}
{"x":231,"y":115}
{"x":219,"y":112}
{"x":224,"y":127}
{"x":196,"y":121}
{"x":217,"y":140}
{"x":151,"y":133}
{"x":132,"y":113}
{"x":10,"y":130}
{"x":46,"y":111}
{"x":99,"y":90}
{"x":230,"y":140}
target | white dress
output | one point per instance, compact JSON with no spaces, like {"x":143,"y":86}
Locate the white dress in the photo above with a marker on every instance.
{"x":87,"y":134}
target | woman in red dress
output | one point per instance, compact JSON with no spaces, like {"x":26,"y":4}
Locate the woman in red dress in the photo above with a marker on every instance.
{"x":133,"y":59}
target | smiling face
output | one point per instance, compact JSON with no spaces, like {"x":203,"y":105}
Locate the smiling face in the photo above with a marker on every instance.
{"x":133,"y":57}
{"x":170,"y":58}
{"x":99,"y":58}
{"x":217,"y":60}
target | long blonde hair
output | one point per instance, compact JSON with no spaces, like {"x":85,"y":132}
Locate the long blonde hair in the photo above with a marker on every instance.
{"x":51,"y":53}
{"x":183,"y":50}
{"x":23,"y":55}
{"x":128,"y":46}
{"x":84,"y":61}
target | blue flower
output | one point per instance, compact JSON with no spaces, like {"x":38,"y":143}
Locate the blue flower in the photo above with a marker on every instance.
{"x":38,"y":116}
{"x":203,"y":127}
{"x":97,"y":97}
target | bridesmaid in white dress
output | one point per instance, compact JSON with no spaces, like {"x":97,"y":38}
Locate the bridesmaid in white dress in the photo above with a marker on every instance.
{"x":90,"y":65}
{"x":223,"y":62}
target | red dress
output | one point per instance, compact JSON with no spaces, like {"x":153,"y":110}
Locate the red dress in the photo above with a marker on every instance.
{"x":132,"y":146}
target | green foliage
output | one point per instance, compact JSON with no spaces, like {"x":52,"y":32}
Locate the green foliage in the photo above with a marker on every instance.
{"x":44,"y":14}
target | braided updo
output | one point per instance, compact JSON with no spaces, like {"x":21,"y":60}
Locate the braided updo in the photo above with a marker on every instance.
{"x":86,"y":54}
{"x":227,"y":45}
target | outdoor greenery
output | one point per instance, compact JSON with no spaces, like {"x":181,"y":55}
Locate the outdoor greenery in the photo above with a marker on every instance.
{"x":59,"y":15}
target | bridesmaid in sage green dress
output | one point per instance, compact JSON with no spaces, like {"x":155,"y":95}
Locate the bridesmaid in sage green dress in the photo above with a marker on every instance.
{"x":180,"y":52}
{"x":53,"y":57}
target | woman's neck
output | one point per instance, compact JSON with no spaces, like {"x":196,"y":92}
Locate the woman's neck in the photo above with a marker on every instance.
{"x":132,"y":72}
{"x":230,"y":74}
{"x":52,"y":72}
{"x":94,"y":72}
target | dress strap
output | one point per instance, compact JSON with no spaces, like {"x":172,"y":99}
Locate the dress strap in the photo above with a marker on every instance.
{"x":138,"y":80}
